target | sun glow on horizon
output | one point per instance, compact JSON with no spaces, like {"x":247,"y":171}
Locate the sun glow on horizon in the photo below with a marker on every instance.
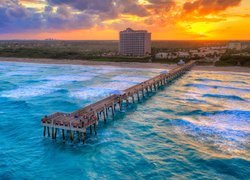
{"x":167,"y":20}
{"x":201,"y":29}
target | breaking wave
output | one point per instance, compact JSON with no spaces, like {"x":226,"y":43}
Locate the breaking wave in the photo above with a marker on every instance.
{"x":220,"y":96}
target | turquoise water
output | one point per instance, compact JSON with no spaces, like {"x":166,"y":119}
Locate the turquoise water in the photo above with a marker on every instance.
{"x":197,"y":128}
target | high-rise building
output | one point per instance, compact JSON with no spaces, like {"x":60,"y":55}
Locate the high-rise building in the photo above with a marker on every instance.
{"x":135,"y":43}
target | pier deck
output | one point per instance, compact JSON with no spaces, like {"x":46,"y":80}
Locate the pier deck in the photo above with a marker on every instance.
{"x":87,"y":117}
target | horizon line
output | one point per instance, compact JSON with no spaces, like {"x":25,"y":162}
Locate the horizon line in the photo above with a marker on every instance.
{"x":118,"y":39}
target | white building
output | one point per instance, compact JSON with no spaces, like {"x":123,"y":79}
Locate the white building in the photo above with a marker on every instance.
{"x":234,"y":45}
{"x":183,"y":54}
{"x":162,"y":55}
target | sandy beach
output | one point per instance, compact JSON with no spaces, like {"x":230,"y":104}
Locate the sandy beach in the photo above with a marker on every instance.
{"x":124,"y":64}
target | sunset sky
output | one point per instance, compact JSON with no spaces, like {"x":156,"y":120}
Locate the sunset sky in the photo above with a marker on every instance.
{"x":103,"y":19}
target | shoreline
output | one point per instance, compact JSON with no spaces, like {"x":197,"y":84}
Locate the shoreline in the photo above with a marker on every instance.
{"x":89,"y":63}
{"x":123,"y":64}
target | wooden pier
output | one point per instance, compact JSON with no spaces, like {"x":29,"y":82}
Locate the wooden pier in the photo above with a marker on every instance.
{"x":75,"y":124}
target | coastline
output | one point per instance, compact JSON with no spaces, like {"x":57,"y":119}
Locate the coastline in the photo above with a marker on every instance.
{"x":89,"y":63}
{"x":123,"y":64}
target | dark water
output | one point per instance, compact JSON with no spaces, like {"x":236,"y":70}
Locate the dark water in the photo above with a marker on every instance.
{"x":197,"y":128}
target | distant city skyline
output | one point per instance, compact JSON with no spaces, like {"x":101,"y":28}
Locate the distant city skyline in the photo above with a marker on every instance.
{"x":103,"y":19}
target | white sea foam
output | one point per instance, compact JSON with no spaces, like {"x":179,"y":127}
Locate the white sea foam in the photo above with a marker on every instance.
{"x":115,"y":85}
{"x":111,"y":69}
{"x":221,"y":121}
{"x":70,"y":78}
{"x":90,"y":93}
{"x":19,"y":73}
{"x":22,"y":70}
{"x":32,"y":91}
{"x":23,"y":92}
{"x":222,"y":132}
{"x":130,"y":79}
{"x":105,"y":70}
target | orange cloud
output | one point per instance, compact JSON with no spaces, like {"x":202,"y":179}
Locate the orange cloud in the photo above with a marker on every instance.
{"x":204,"y":7}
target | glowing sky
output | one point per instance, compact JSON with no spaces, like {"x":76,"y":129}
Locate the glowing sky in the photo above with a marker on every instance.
{"x":103,"y":19}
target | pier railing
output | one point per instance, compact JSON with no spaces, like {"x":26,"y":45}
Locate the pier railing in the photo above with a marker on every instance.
{"x":87,"y":117}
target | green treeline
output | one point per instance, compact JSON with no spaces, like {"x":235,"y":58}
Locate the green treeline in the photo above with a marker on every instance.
{"x":231,"y":60}
{"x":52,"y":53}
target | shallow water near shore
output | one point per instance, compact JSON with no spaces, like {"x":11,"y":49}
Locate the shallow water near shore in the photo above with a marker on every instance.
{"x":196,"y":128}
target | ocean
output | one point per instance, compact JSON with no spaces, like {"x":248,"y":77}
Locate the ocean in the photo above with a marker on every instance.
{"x":196,"y":128}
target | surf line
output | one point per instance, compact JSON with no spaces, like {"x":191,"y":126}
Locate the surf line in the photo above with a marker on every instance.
{"x":78,"y":122}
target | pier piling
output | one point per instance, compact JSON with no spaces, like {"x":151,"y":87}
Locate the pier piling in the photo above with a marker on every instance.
{"x":80,"y":120}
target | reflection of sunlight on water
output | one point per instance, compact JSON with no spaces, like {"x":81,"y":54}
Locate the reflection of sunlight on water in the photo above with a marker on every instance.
{"x":225,"y":150}
{"x":217,"y":118}
{"x":220,"y":122}
{"x":209,"y":139}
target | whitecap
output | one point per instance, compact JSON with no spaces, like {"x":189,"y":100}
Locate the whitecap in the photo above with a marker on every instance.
{"x":32,"y":91}
{"x":70,"y":78}
{"x":115,"y":85}
{"x":105,"y":70}
{"x":137,"y":79}
{"x":18,"y":73}
{"x":91,"y":93}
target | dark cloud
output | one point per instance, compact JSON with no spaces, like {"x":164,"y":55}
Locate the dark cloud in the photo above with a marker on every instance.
{"x":102,"y":7}
{"x":160,"y":2}
{"x":160,"y":6}
{"x":64,"y":14}
{"x":85,"y":5}
{"x":204,"y":7}
{"x":64,"y":19}
{"x":15,"y":18}
{"x":16,"y":12}
{"x":32,"y":1}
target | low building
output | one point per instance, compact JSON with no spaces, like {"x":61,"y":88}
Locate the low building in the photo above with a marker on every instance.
{"x":194,"y":51}
{"x":244,"y":46}
{"x":234,"y":45}
{"x":241,"y":54}
{"x":162,"y":55}
{"x":181,"y":63}
{"x":183,"y":54}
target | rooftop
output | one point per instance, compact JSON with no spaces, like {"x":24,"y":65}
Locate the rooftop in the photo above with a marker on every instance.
{"x":134,"y":31}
